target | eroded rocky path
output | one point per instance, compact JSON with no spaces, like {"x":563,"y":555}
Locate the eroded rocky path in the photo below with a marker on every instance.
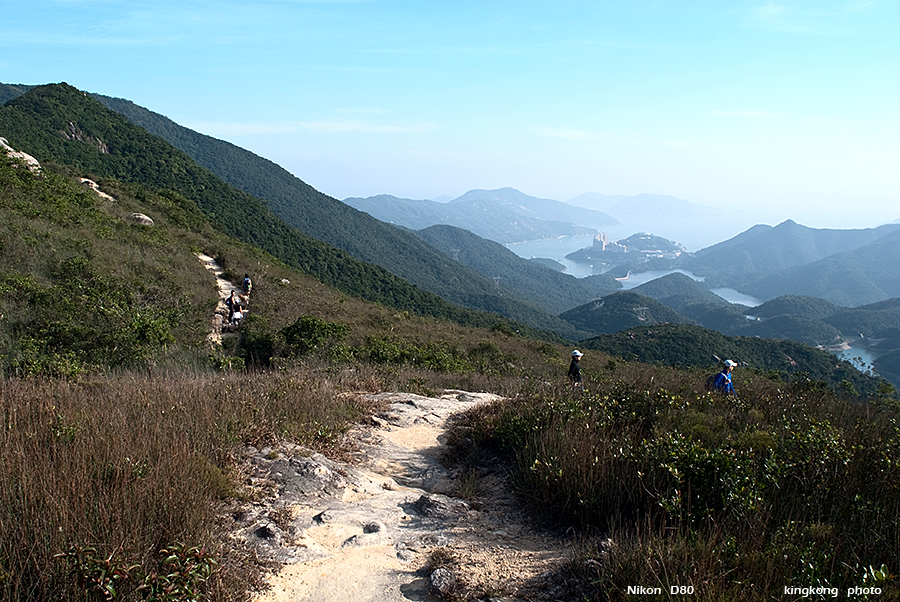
{"x":367,"y":530}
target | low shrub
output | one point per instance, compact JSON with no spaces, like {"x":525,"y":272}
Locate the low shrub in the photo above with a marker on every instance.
{"x":790,"y":485}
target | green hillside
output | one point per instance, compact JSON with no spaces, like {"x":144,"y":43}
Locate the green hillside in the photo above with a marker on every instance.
{"x":10,"y":91}
{"x":804,"y":330}
{"x":81,"y":286}
{"x":327,"y":219}
{"x":794,"y":317}
{"x":727,"y":319}
{"x":888,"y":365}
{"x":687,"y":345}
{"x":620,"y":311}
{"x":678,"y":291}
{"x":763,"y":251}
{"x":864,"y":275}
{"x":867,"y":321}
{"x":546,"y":288}
{"x":62,"y":124}
{"x":801,"y":306}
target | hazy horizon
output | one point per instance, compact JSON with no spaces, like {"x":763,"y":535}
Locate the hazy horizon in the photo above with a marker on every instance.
{"x":768,"y":110}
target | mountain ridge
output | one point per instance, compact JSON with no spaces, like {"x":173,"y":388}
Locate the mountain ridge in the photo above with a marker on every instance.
{"x":504,"y":215}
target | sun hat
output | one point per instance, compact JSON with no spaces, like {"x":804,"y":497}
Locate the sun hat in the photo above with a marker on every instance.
{"x":577,"y":353}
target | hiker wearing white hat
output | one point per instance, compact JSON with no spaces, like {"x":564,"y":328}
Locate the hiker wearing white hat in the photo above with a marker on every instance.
{"x":575,"y":368}
{"x":723,"y":379}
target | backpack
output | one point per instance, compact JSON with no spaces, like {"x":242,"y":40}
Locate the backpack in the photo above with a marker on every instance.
{"x":711,"y":382}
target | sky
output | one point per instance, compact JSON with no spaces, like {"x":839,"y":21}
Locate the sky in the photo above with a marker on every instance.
{"x":766,"y":110}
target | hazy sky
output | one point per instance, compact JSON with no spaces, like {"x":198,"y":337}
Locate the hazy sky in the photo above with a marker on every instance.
{"x":770,"y":109}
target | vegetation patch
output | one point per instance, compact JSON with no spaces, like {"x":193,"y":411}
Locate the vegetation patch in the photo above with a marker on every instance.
{"x":737,"y":499}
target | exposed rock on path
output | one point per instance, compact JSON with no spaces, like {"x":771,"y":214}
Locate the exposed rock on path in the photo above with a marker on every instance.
{"x":365,"y":531}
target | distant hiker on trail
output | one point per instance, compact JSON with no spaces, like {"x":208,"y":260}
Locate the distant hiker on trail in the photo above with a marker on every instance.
{"x":575,"y":368}
{"x":246,"y":284}
{"x":722,"y":382}
{"x":233,"y":303}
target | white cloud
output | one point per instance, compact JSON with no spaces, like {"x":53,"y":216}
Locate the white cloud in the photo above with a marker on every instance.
{"x":258,"y":128}
{"x":825,"y":18}
{"x":564,"y":133}
{"x":752,"y":114}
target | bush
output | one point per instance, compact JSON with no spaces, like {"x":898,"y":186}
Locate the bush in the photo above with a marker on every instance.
{"x":308,"y":333}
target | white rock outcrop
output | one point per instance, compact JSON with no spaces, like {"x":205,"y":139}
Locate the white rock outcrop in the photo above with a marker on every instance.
{"x":29,"y":161}
{"x":140,"y":219}
{"x":93,"y":186}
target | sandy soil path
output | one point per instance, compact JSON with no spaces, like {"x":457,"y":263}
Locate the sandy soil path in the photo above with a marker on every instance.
{"x":368,"y":530}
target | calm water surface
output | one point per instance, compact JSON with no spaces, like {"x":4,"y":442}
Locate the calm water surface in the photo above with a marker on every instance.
{"x":558,"y":248}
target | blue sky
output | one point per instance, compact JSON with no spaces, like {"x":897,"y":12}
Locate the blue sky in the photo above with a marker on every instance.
{"x":772,"y":110}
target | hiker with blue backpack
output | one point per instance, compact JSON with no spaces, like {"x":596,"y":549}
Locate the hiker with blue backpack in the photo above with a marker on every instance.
{"x":722,"y":381}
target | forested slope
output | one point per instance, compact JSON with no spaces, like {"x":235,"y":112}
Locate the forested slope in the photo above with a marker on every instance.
{"x":62,"y":124}
{"x":329,"y":220}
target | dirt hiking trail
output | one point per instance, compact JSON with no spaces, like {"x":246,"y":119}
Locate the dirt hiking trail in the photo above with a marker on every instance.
{"x":386,"y":527}
{"x":219,"y":329}
{"x":372,"y":529}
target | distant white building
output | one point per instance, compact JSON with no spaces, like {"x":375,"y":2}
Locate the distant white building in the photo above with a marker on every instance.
{"x":602,"y":243}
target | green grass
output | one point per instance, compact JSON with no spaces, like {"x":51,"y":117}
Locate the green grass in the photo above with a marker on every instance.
{"x":790,"y":486}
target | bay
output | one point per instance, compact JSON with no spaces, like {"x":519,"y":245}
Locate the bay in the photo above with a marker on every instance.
{"x":558,"y":248}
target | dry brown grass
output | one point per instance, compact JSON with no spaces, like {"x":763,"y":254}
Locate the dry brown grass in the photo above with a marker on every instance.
{"x":136,"y":463}
{"x":132,"y":462}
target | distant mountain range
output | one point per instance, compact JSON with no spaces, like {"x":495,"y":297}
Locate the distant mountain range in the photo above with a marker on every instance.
{"x":263,"y":205}
{"x":861,"y":276}
{"x":504,"y":215}
{"x":763,"y":251}
{"x":641,"y":204}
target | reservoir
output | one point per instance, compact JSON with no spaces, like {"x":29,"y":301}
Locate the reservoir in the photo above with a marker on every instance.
{"x":558,"y":248}
{"x":861,"y":358}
